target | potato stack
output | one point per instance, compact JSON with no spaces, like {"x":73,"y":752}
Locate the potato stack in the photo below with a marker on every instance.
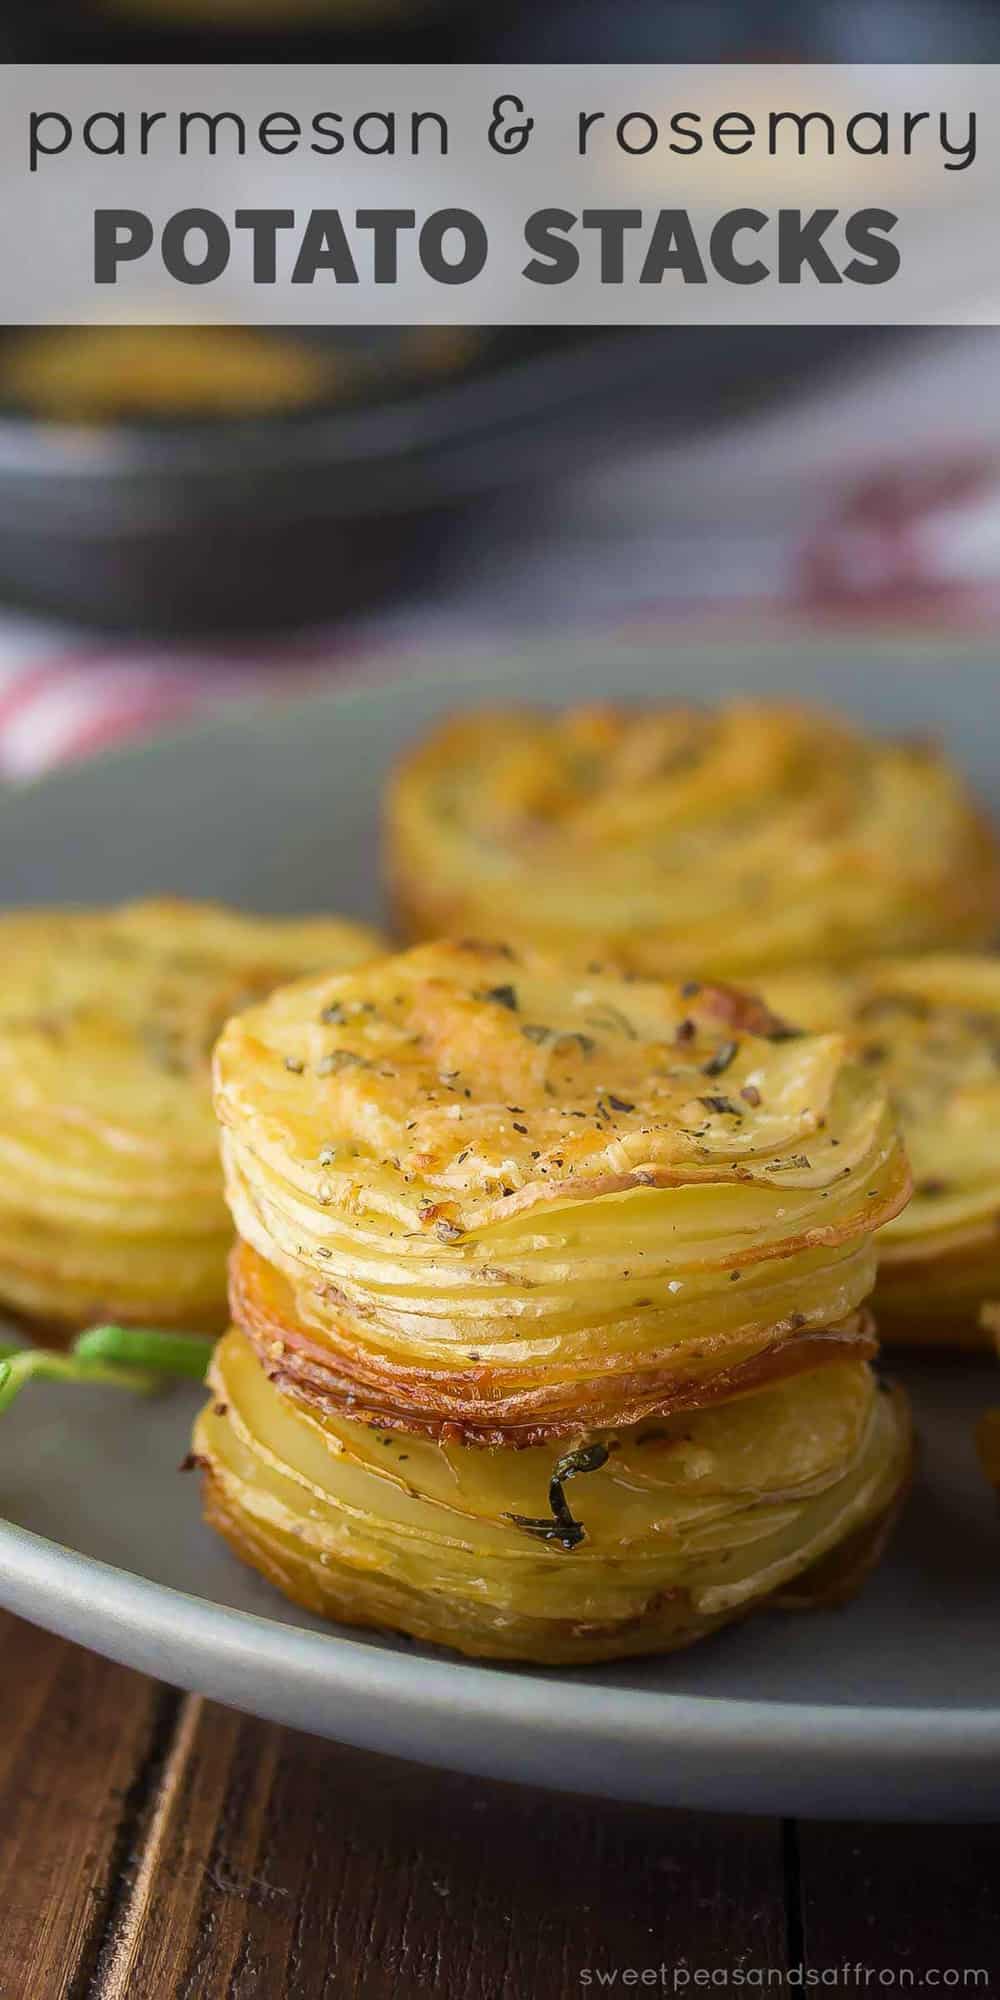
{"x":111,"y":1202}
{"x":668,"y":839}
{"x":930,"y":1028}
{"x":550,"y":1335}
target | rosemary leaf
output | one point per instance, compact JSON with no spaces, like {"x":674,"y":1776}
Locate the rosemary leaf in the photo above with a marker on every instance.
{"x":563,"y":1528}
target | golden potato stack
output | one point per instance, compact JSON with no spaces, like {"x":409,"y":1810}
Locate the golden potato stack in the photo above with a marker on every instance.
{"x":673,"y":839}
{"x":550,"y":1333}
{"x":930,"y":1027}
{"x":111,"y":1200}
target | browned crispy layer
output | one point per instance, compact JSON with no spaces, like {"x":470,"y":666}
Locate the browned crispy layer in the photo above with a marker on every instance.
{"x":483,"y":1405}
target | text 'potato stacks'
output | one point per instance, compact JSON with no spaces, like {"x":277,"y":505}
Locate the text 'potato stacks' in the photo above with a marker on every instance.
{"x":674,"y":839}
{"x":930,"y":1028}
{"x":550,"y":1303}
{"x":111,"y":1199}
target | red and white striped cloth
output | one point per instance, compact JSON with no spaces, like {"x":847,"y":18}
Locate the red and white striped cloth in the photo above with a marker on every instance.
{"x":64,"y":696}
{"x":874,"y":498}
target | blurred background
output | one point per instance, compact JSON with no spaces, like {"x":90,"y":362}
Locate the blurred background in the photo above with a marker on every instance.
{"x":191,"y":514}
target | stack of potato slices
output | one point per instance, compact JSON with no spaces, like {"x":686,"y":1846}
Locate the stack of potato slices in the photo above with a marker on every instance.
{"x":930,"y":1028}
{"x":111,"y":1199}
{"x":672,"y":839}
{"x":550,"y":1333}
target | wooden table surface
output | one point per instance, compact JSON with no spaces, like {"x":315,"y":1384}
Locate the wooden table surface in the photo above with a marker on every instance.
{"x":154,"y":1846}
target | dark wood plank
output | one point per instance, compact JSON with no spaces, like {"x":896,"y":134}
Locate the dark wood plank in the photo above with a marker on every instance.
{"x":898,"y":1898}
{"x":277,"y":1865}
{"x":78,"y":1752}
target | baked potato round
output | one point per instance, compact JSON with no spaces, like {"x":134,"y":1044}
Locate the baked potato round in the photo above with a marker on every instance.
{"x":474,"y":1189}
{"x":111,"y":1199}
{"x":678,"y":1527}
{"x":119,"y":374}
{"x":673,"y":839}
{"x":930,"y":1028}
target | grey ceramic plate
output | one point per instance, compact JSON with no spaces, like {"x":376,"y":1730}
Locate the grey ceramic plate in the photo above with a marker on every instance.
{"x":889,"y":1708}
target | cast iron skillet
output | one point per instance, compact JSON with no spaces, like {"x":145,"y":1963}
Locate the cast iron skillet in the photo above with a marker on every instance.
{"x":234,"y":526}
{"x":405,"y":31}
{"x":270,"y":521}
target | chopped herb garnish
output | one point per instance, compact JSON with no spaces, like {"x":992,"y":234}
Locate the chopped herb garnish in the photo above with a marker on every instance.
{"x":721,"y":1060}
{"x":535,"y":1031}
{"x":722,"y":1105}
{"x":563,"y":1528}
{"x":340,"y":1059}
{"x":333,"y":1015}
{"x":504,"y":996}
{"x":619,"y":1103}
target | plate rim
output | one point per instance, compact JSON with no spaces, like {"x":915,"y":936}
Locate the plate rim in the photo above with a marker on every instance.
{"x":469,"y":664}
{"x":655,"y":1747}
{"x":523,"y":1686}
